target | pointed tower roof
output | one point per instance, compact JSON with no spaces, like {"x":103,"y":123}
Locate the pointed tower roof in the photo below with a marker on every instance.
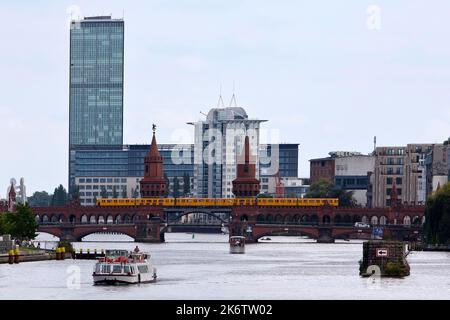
{"x":153,"y":184}
{"x":154,"y":152}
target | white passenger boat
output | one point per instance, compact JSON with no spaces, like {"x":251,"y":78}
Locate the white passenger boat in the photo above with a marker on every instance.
{"x":124,"y":267}
{"x":237,"y":244}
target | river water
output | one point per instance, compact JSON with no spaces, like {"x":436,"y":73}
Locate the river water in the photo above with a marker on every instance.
{"x":201,"y":268}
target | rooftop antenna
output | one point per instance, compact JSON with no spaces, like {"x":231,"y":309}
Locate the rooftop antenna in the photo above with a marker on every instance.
{"x":233,"y":102}
{"x":374,"y":143}
{"x":220,"y":103}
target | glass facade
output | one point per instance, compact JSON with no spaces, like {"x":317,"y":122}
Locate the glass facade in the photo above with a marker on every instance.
{"x":96,"y":81}
{"x":128,"y":161}
{"x":287,"y":159}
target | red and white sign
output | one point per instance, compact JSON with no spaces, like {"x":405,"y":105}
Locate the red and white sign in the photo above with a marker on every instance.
{"x":382,"y":252}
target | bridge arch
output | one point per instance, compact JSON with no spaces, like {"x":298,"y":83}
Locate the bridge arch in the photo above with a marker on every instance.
{"x":406,"y":220}
{"x":211,"y":214}
{"x":109,"y":219}
{"x":416,"y":221}
{"x":61,"y":218}
{"x":296,"y":219}
{"x":326,"y":219}
{"x":364,"y":219}
{"x":86,"y":233}
{"x":383,"y":220}
{"x":315,"y":219}
{"x":37,"y":218}
{"x":92,"y":219}
{"x":118,"y":219}
{"x":54,"y":218}
{"x":337,"y":219}
{"x":126,"y":218}
{"x":347,"y":219}
{"x":374,"y":220}
{"x":269,"y":218}
{"x":244,"y":217}
{"x":84,"y":219}
{"x":72,"y":218}
{"x":288,"y":219}
{"x":45,"y":219}
{"x":356,"y":218}
{"x":101,"y":220}
{"x":260,"y":218}
{"x":283,"y":232}
{"x":278,"y":219}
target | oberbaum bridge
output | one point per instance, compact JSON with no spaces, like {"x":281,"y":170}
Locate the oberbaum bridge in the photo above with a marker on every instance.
{"x":148,"y":218}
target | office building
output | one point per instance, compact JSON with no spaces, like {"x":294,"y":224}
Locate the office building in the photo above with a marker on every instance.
{"x":118,"y":170}
{"x":402,"y":167}
{"x":96,"y":83}
{"x":218,"y":141}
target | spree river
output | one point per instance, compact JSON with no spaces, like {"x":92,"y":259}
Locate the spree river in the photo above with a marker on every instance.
{"x":201,"y":268}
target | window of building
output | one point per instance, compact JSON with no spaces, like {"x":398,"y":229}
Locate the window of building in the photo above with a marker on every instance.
{"x":82,"y":180}
{"x":389,"y":181}
{"x":399,"y":181}
{"x":95,"y":180}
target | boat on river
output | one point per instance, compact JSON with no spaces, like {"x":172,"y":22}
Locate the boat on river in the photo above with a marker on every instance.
{"x":124,"y":267}
{"x":237,"y":244}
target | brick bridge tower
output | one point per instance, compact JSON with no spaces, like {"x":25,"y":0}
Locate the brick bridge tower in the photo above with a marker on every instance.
{"x":153,"y":184}
{"x":246,"y":184}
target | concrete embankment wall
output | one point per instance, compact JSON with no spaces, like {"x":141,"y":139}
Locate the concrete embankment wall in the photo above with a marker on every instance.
{"x":33,"y":257}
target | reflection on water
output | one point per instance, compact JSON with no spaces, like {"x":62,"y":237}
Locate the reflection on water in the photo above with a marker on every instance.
{"x":202,"y":268}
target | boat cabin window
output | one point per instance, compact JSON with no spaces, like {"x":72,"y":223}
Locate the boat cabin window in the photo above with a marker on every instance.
{"x":127,"y":269}
{"x":117,"y":268}
{"x":143,"y":269}
{"x":106,"y":268}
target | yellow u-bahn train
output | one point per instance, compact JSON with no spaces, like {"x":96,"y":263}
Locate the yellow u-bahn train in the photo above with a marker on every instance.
{"x":219,"y":202}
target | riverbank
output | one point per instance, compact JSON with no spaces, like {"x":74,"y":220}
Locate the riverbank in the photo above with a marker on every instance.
{"x":428,"y":247}
{"x":33,"y":256}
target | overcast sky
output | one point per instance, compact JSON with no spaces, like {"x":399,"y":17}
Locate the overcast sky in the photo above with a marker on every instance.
{"x":317,"y":70}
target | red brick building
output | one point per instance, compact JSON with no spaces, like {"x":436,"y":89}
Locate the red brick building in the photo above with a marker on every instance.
{"x":323,"y":168}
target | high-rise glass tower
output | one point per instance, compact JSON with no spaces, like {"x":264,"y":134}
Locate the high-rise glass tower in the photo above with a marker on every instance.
{"x":96,"y":83}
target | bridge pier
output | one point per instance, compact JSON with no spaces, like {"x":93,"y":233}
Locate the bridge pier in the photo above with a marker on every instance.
{"x":68,"y":234}
{"x":325,"y":235}
{"x":149,"y":231}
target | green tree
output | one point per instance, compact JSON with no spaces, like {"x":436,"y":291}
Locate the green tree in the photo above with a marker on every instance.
{"x":326,"y":189}
{"x":60,"y":197}
{"x":176,"y":188}
{"x":135,"y":193}
{"x":40,"y":199}
{"x":168,"y":184}
{"x":103,"y":193}
{"x":264,"y":195}
{"x":186,"y":184}
{"x":21,"y":224}
{"x":437,"y":217}
{"x":114,"y":192}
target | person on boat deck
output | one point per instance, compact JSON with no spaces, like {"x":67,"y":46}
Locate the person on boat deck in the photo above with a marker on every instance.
{"x":136,"y":249}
